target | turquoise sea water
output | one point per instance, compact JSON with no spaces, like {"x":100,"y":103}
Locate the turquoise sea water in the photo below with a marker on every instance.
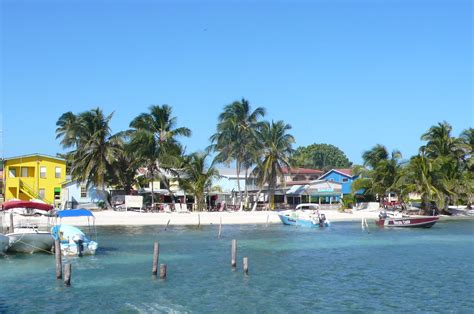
{"x":339,"y":269}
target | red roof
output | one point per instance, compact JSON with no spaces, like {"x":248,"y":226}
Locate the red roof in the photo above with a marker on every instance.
{"x":345,"y":171}
{"x":302,"y":171}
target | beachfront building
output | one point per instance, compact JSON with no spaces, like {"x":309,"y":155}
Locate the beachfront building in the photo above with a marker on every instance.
{"x":75,"y":194}
{"x":34,"y":176}
{"x":342,"y":176}
{"x":317,"y":191}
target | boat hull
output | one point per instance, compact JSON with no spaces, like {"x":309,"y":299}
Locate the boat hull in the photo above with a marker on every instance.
{"x":408,"y":222}
{"x":72,"y":249}
{"x":4,"y":243}
{"x":293,"y":221}
{"x":30,"y":242}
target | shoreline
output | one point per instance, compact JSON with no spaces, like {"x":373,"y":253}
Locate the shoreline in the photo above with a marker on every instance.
{"x":132,"y":218}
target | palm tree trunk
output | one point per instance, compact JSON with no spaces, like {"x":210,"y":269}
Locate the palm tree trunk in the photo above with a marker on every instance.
{"x":246,"y":186}
{"x":238,"y":183}
{"x":106,"y":199}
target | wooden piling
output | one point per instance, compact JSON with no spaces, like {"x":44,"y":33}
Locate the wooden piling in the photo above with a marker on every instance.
{"x":199,"y":220}
{"x":220,"y":228}
{"x":156,"y":254}
{"x":167,"y":224}
{"x":234,"y":254}
{"x":67,"y":274}
{"x":11,"y":223}
{"x":246,"y":265}
{"x":162,"y":271}
{"x":59,"y":264}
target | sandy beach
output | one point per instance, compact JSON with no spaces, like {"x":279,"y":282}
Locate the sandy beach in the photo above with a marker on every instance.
{"x":133,"y":218}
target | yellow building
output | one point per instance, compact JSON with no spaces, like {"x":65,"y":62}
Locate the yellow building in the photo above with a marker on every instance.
{"x":34,"y":176}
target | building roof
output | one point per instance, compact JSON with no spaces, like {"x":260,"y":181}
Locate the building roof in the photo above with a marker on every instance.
{"x":301,"y":171}
{"x":344,"y":172}
{"x":35,"y":155}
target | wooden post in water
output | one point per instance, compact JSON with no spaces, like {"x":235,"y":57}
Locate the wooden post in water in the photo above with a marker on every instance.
{"x":167,"y":224}
{"x":246,"y":265}
{"x":220,"y":228}
{"x":11,"y":223}
{"x":199,"y":220}
{"x":156,"y":254}
{"x":234,"y":254}
{"x":59,"y":264}
{"x":162,"y":271}
{"x":67,"y":274}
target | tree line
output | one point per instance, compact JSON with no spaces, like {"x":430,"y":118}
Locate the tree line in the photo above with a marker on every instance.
{"x":442,"y":172}
{"x":98,"y":157}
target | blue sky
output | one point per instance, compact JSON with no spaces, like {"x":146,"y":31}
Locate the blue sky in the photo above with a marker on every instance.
{"x":348,"y":73}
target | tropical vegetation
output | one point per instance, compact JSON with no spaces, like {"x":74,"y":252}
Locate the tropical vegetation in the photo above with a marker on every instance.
{"x":320,"y":156}
{"x":442,"y":172}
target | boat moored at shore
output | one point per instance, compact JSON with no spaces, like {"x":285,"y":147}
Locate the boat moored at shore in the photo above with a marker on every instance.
{"x":27,"y":237}
{"x":73,"y":241}
{"x":305,"y":215}
{"x":399,"y":220}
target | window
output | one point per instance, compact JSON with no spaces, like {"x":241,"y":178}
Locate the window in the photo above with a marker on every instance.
{"x":83,"y":192}
{"x":12,"y":173}
{"x":331,"y":180}
{"x":24,"y":172}
{"x":42,"y":172}
{"x":345,"y":180}
{"x":41,"y":194}
{"x":57,"y":173}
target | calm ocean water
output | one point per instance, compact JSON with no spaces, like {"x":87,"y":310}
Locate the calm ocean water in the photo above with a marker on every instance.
{"x":295,"y":270}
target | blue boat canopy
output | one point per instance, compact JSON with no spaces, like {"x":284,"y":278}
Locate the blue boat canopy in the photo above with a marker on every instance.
{"x":74,"y":213}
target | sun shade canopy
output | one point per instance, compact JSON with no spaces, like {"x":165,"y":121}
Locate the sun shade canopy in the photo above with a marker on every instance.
{"x":74,"y":213}
{"x":26,"y":204}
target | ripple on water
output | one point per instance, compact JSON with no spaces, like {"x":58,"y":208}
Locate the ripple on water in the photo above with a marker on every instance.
{"x":291,"y":270}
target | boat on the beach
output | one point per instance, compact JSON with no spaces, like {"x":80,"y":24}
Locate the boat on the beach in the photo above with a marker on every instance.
{"x":73,"y":240}
{"x":398,"y":220}
{"x":306,"y":215}
{"x":27,"y":237}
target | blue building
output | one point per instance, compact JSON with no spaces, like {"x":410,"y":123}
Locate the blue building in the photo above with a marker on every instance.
{"x":343,"y":176}
{"x":75,"y":194}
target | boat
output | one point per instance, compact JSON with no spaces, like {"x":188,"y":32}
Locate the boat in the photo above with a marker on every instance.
{"x":27,"y":237}
{"x":4,"y":243}
{"x":399,"y":220}
{"x":306,"y":215}
{"x":73,"y":241}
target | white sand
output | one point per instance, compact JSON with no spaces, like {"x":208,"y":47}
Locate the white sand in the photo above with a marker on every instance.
{"x":131,"y":218}
{"x":109,"y":218}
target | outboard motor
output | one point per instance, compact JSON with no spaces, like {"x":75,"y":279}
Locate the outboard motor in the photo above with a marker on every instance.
{"x":322,"y":220}
{"x":79,"y":240}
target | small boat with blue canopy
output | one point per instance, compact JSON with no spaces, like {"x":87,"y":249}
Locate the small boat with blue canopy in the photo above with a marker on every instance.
{"x":305,"y":215}
{"x":73,"y":241}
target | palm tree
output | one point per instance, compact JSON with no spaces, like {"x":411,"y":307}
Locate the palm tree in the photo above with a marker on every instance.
{"x":196,"y":178}
{"x":417,"y":177}
{"x":234,"y":139}
{"x":94,"y":146}
{"x":379,"y":173}
{"x":275,"y":155}
{"x":154,"y":141}
{"x":125,"y":168}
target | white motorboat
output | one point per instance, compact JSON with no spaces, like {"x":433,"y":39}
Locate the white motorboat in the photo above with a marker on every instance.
{"x":306,"y":215}
{"x":27,"y":237}
{"x":73,"y":241}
